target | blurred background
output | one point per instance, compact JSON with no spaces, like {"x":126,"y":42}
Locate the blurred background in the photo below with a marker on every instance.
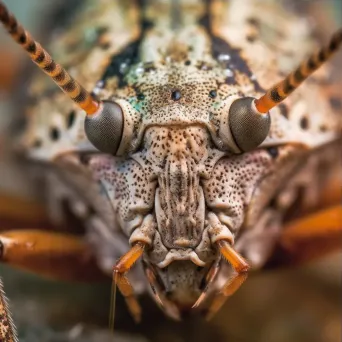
{"x":302,"y":304}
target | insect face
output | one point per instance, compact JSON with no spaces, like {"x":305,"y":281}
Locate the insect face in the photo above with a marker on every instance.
{"x":186,"y":159}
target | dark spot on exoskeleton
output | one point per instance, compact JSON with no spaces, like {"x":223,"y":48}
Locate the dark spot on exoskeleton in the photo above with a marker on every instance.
{"x":335,"y":103}
{"x":105,"y":45}
{"x":37,"y":143}
{"x":321,"y":56}
{"x":102,"y":30}
{"x":71,"y":119}
{"x":176,"y":95}
{"x":141,"y":97}
{"x":54,"y":134}
{"x":304,"y":122}
{"x":84,"y":159}
{"x":251,"y":38}
{"x":323,"y":128}
{"x":253,"y":21}
{"x":273,"y":152}
{"x":283,"y":110}
{"x":212,"y":93}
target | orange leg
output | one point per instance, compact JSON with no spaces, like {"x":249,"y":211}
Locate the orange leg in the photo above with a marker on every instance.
{"x":240,"y":265}
{"x":309,"y":238}
{"x":15,"y":211}
{"x":125,"y":287}
{"x":50,"y":254}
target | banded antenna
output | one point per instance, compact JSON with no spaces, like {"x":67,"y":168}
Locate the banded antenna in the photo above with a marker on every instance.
{"x":284,"y":88}
{"x":38,"y":55}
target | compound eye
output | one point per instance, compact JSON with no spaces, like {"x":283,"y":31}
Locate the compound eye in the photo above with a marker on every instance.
{"x":248,"y":126}
{"x":104,"y":128}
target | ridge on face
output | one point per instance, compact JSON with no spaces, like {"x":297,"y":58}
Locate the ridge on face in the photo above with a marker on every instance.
{"x":179,"y":157}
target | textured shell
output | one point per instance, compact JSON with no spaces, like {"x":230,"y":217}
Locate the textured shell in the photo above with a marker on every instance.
{"x":179,"y":175}
{"x":265,"y":43}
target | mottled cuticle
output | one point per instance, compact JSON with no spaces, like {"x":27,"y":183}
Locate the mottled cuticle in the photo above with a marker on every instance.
{"x":182,"y":157}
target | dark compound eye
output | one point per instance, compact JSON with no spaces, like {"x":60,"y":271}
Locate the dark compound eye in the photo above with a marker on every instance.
{"x":249,"y":127}
{"x":104,"y":129}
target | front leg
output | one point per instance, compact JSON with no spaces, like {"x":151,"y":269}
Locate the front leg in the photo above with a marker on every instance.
{"x":51,"y":254}
{"x":16,"y":212}
{"x":120,"y":269}
{"x":241,"y":268}
{"x":222,"y":238}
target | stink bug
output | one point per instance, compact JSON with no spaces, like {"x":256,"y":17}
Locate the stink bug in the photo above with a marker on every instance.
{"x":177,"y":150}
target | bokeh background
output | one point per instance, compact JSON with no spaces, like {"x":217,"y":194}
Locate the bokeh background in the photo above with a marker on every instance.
{"x":302,"y":304}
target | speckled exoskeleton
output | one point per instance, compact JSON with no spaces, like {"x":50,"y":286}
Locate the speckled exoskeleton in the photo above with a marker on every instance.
{"x":187,"y":153}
